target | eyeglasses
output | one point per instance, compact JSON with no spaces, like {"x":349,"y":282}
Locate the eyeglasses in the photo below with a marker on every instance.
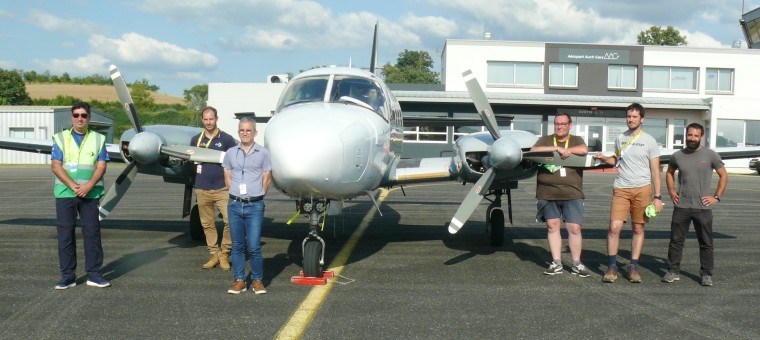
{"x":242,"y":132}
{"x":77,"y":115}
{"x":561,"y":124}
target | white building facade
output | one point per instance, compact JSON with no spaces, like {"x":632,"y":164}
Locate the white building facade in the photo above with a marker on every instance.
{"x":715,"y":87}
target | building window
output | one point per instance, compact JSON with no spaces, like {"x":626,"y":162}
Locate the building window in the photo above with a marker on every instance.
{"x":563,"y":75}
{"x":428,"y":134}
{"x":719,"y":80}
{"x":730,"y":133}
{"x":509,"y":73}
{"x":657,"y":128}
{"x":679,"y":133}
{"x":671,"y":78}
{"x":21,"y":132}
{"x":753,"y":133}
{"x":527,"y":123}
{"x":621,"y":77}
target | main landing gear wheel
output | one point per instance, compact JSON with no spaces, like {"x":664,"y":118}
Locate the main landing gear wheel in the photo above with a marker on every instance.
{"x":196,"y":228}
{"x":312,"y":253}
{"x":495,"y":226}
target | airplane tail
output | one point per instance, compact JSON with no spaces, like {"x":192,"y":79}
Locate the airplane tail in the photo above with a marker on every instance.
{"x":373,"y":60}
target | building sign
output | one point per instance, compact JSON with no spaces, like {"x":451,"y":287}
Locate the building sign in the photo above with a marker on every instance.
{"x":594,"y":56}
{"x":576,"y":112}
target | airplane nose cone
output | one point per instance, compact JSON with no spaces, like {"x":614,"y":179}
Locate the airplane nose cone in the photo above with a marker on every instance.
{"x":306,"y":155}
{"x":145,"y":148}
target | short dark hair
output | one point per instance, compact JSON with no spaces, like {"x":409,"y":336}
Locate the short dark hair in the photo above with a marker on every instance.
{"x":570,"y":119}
{"x":210,"y":108}
{"x":80,"y":105}
{"x":696,"y":126}
{"x":636,"y":107}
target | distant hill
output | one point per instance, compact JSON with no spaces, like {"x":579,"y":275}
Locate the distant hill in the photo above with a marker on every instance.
{"x":89,"y":92}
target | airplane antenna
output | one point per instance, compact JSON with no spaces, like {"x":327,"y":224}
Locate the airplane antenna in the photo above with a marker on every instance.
{"x":373,"y":60}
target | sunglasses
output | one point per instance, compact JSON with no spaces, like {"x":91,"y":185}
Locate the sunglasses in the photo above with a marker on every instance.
{"x":76,"y":115}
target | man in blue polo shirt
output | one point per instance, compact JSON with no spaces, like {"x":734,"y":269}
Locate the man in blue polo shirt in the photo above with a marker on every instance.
{"x":247,"y":172}
{"x":210,"y":190}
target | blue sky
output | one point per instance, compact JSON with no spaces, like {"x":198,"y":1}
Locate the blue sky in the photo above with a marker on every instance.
{"x":177,"y":44}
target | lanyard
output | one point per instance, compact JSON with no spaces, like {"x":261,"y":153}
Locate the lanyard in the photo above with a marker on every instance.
{"x":79,"y":150}
{"x":245,"y":157}
{"x":209,"y":140}
{"x":628,"y":143}
{"x":567,"y":141}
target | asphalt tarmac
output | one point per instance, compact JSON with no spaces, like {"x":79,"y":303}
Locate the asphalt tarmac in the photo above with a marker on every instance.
{"x":406,"y":277}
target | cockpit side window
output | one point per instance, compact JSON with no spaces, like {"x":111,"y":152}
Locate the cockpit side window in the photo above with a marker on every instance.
{"x":303,"y":90}
{"x":361,"y":89}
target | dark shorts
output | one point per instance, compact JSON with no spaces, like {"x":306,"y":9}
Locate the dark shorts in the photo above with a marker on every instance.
{"x":571,"y":211}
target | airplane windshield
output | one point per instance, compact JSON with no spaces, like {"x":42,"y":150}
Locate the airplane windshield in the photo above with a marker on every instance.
{"x":303,"y":90}
{"x":364,"y":90}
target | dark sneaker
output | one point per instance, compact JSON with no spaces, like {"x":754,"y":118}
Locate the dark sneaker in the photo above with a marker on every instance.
{"x":633,"y":274}
{"x":611,"y":274}
{"x":237,"y":287}
{"x":580,"y":270}
{"x":669,"y":277}
{"x":98,"y":282}
{"x":707,"y":280}
{"x":553,"y":269}
{"x":258,"y":287}
{"x":66,"y":283}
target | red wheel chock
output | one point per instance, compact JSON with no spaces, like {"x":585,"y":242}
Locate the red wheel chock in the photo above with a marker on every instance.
{"x":312,"y":281}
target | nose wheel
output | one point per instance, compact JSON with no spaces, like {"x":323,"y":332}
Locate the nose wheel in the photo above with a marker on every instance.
{"x":313,"y":246}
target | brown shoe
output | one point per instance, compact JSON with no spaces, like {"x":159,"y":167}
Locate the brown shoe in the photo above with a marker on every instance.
{"x":633,"y":274}
{"x":237,"y":287}
{"x":610,"y":275}
{"x":258,"y":287}
{"x":224,"y":260}
{"x":213,"y":260}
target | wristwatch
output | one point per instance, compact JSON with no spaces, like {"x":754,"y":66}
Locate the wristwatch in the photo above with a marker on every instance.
{"x":658,"y":197}
{"x":716,"y":197}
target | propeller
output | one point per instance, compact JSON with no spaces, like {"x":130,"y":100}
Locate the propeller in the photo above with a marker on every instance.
{"x":503,"y":154}
{"x":145,"y":148}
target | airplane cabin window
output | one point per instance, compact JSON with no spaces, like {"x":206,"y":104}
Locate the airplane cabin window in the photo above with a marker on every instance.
{"x":362,"y":89}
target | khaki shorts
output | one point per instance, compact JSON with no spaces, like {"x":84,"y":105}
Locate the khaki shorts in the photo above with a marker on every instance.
{"x":630,"y":200}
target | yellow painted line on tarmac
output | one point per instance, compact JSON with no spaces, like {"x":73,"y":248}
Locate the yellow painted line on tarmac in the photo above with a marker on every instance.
{"x":302,"y":316}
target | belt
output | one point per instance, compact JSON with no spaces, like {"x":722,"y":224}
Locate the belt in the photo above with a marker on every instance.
{"x":248,"y":199}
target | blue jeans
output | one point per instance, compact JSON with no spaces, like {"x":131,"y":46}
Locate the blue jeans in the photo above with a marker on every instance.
{"x":245,"y":221}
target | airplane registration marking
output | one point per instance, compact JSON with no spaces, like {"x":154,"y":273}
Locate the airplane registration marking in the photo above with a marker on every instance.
{"x":302,"y":316}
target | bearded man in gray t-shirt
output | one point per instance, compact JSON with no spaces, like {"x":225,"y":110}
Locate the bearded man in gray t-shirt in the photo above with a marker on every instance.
{"x":693,"y":201}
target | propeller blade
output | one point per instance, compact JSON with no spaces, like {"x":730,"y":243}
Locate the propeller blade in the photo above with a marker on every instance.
{"x":192,"y":153}
{"x":553,"y":158}
{"x":481,"y":104}
{"x":125,"y":98}
{"x":117,"y":189}
{"x":471,"y":201}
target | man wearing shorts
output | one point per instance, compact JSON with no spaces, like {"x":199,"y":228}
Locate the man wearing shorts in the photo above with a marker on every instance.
{"x":559,"y":195}
{"x":637,"y":157}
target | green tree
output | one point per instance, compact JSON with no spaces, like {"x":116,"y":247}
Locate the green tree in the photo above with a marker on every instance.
{"x":12,"y":88}
{"x":657,"y":36}
{"x":413,"y":67}
{"x":141,"y":96}
{"x":196,"y":97}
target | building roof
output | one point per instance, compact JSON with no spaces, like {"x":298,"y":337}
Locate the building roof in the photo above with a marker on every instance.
{"x":462,"y":97}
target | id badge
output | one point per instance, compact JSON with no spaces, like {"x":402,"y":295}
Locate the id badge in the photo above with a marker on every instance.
{"x":243,"y":191}
{"x":73,"y":167}
{"x":562,"y":172}
{"x":198,"y":169}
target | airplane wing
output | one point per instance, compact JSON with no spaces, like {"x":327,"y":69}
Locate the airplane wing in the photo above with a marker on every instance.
{"x":45,"y":146}
{"x":436,"y":169}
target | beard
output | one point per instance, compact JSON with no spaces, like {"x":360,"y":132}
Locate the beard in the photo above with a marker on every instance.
{"x":692,"y":145}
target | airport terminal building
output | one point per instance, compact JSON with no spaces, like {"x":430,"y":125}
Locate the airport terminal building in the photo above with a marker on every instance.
{"x":533,"y":81}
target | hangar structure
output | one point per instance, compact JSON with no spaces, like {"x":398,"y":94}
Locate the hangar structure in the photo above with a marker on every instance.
{"x":42,"y":122}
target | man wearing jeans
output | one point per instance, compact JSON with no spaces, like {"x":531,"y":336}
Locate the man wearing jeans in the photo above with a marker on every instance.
{"x":247,"y":172}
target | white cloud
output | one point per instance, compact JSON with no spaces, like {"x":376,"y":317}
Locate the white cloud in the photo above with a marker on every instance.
{"x":134,"y":48}
{"x":432,"y":25}
{"x":89,"y":64}
{"x":52,"y":23}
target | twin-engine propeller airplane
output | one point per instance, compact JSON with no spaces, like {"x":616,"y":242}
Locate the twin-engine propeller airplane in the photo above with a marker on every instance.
{"x":336,"y":135}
